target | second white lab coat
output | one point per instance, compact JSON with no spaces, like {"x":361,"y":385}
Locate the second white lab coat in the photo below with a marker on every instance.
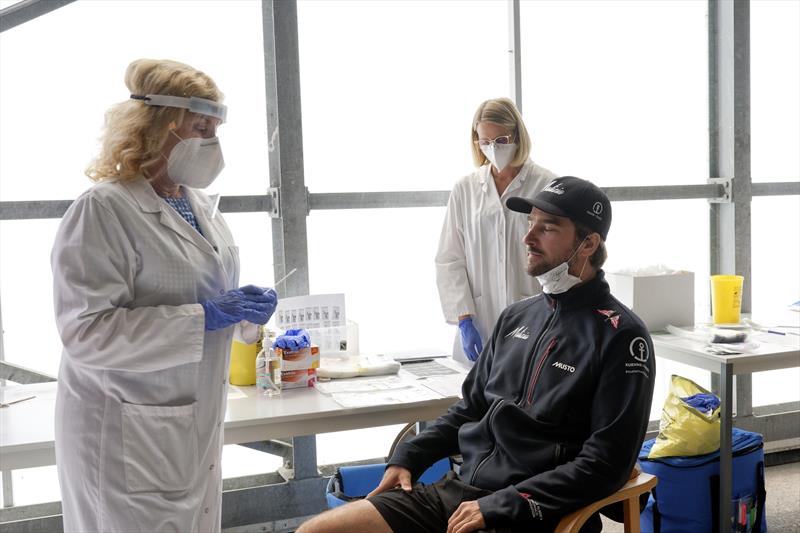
{"x":142,"y":387}
{"x":480,"y":263}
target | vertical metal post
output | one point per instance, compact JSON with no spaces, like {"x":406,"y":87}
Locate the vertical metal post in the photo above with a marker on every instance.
{"x":729,"y":138}
{"x":8,"y":489}
{"x":515,"y":53}
{"x":725,"y":447}
{"x":284,"y":124}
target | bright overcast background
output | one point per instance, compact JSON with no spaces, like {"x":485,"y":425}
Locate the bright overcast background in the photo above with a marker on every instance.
{"x":612,"y":91}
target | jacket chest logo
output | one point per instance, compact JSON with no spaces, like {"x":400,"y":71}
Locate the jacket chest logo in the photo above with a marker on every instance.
{"x":611,"y":316}
{"x":521,"y":332}
{"x":565,"y":367}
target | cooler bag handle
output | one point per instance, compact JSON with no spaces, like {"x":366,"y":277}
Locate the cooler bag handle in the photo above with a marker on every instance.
{"x":761,"y":497}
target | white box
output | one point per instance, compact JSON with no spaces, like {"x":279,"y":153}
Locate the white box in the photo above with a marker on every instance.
{"x":658,"y":300}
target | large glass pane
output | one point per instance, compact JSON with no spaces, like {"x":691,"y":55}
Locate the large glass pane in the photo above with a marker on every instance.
{"x":382,"y":259}
{"x":774,"y":90}
{"x":389,"y":89}
{"x":53,"y":98}
{"x":30,"y":336}
{"x":617,"y":91}
{"x":672,"y":233}
{"x":776,"y":284}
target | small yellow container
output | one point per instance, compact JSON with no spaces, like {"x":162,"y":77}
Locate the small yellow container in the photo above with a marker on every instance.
{"x":726,"y":299}
{"x":243,"y":363}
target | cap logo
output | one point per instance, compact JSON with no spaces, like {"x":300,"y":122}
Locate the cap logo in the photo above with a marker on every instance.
{"x":597,"y":208}
{"x":555,"y":187}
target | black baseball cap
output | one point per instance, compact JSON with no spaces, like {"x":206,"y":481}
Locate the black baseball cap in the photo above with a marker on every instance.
{"x":580,"y":200}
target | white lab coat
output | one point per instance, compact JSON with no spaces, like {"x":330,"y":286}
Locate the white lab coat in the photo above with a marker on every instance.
{"x":480,"y":264}
{"x":142,"y":387}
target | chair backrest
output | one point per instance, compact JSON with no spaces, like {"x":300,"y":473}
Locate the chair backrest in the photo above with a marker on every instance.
{"x":628,"y":495}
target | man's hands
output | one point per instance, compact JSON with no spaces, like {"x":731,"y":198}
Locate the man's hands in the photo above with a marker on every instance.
{"x":394,"y":476}
{"x":468,"y":517}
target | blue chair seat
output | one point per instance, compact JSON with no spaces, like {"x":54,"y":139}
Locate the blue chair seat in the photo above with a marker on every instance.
{"x":352,"y":483}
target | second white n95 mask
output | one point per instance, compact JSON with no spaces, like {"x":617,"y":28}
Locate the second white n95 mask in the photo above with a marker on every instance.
{"x":195,"y":162}
{"x":500,"y":154}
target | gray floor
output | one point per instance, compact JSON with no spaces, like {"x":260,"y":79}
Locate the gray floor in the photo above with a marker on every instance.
{"x":783,"y":501}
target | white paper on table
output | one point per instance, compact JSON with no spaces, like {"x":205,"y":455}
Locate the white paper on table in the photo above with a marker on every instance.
{"x":414,"y":393}
{"x":445,"y":385}
{"x":362,"y":385}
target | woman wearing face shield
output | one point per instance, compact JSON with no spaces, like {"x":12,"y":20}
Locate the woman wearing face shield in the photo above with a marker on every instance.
{"x":146,"y":289}
{"x":481,"y":257}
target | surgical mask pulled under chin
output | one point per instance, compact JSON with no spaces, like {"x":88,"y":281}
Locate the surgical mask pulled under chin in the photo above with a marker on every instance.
{"x":558,"y":279}
{"x":500,"y":155}
{"x":195,"y":162}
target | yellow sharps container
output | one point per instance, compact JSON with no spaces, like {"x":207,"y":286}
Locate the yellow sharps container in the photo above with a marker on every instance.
{"x":243,"y":360}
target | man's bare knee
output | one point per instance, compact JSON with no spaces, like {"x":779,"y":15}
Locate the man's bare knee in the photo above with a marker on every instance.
{"x":356,"y":516}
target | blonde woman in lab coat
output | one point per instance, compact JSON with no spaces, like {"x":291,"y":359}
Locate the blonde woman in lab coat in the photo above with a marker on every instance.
{"x":145,"y":287}
{"x":481,"y":257}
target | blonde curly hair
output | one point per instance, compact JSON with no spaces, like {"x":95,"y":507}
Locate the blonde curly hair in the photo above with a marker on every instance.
{"x":134,"y":133}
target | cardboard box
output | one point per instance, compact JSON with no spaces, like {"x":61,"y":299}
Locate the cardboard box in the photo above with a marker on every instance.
{"x":298,"y":379}
{"x":658,"y":300}
{"x":301,"y":359}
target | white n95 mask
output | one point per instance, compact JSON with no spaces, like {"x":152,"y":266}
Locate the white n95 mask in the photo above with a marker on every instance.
{"x":558,"y":279}
{"x":500,"y":155}
{"x":195,"y":162}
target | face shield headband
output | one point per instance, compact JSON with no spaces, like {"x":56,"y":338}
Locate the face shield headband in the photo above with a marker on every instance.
{"x":193,"y":104}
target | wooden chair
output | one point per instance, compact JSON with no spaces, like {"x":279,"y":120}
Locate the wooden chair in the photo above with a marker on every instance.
{"x":638,"y":484}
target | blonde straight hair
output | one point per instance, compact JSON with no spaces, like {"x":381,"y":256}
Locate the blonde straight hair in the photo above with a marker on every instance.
{"x":503,"y":112}
{"x":134,"y":133}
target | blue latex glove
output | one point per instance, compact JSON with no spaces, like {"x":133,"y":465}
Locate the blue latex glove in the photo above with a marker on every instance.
{"x":250,"y":303}
{"x":293,"y":340}
{"x":470,"y":339}
{"x":705,"y":402}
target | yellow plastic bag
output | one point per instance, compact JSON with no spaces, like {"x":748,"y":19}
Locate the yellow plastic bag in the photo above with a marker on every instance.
{"x":684,"y":430}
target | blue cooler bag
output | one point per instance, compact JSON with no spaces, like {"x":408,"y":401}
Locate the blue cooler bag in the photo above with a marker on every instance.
{"x":686,"y":498}
{"x":352,"y":483}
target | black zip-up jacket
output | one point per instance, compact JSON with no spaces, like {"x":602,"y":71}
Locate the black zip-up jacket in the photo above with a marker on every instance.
{"x":553,"y":413}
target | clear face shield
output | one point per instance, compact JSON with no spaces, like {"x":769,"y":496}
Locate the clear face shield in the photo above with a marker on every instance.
{"x":196,"y":160}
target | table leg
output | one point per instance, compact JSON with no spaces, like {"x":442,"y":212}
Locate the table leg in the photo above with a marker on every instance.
{"x":8,"y":491}
{"x":304,"y":451}
{"x":725,"y":447}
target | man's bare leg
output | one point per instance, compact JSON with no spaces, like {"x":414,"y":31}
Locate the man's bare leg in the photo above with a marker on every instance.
{"x":355,"y":516}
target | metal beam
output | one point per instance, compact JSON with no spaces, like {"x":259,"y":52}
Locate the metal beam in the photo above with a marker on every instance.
{"x":37,"y":209}
{"x":373,"y":200}
{"x":26,"y":210}
{"x":783,"y":188}
{"x":514,"y":53}
{"x":729,"y":138}
{"x":26,"y":10}
{"x":284,"y":124}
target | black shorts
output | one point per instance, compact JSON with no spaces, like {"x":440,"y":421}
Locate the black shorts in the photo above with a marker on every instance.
{"x":427,"y":508}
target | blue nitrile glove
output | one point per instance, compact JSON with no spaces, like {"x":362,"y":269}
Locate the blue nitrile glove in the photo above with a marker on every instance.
{"x":293,"y":340}
{"x":470,"y":339}
{"x":250,"y":303}
{"x":704,"y":402}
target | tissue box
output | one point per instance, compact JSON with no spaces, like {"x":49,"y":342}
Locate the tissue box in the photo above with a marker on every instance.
{"x":298,"y":379}
{"x":658,"y":300}
{"x":302,"y":359}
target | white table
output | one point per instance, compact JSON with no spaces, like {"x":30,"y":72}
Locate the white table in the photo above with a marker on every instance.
{"x":768,"y":356}
{"x":27,"y":429}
